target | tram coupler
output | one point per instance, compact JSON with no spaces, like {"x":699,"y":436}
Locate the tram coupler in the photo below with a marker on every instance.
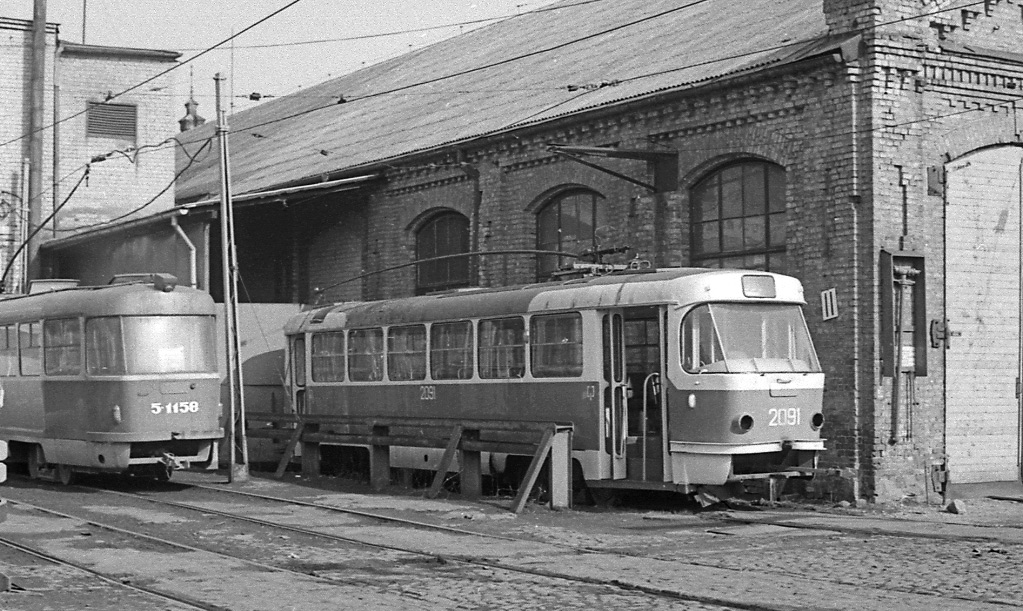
{"x":172,"y":462}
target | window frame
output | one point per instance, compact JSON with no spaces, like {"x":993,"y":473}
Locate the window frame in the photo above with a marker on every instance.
{"x":440,"y":351}
{"x":337,"y":373}
{"x":452,"y":273}
{"x":377,"y":359}
{"x":65,"y":358}
{"x":516,"y":368}
{"x":410,"y":364}
{"x":27,"y":365}
{"x":745,"y":237}
{"x":541,"y":354}
{"x":598,"y":216}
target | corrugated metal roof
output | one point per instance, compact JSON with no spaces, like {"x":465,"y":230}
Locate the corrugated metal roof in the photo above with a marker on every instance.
{"x":509,"y":74}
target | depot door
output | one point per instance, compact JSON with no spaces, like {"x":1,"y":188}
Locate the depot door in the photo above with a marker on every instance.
{"x":982,"y":307}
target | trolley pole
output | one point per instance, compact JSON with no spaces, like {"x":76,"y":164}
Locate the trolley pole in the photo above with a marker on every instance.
{"x":238,"y":447}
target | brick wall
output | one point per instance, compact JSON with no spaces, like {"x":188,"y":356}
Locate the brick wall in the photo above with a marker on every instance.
{"x":135,"y":171}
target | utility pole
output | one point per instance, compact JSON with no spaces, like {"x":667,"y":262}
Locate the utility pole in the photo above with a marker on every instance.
{"x":238,"y":446}
{"x":37,"y":79}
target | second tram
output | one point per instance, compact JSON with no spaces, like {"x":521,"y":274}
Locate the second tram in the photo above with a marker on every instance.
{"x":676,"y":379}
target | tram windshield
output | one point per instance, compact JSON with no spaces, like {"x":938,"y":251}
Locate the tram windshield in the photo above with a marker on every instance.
{"x":747,"y":338}
{"x":119,"y":345}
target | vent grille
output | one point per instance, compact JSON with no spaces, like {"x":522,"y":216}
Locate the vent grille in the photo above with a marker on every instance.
{"x":111,"y":120}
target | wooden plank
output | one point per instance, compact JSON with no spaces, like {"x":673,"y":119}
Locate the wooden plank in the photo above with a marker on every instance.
{"x":445,"y":462}
{"x":289,"y":452}
{"x":534,"y":470}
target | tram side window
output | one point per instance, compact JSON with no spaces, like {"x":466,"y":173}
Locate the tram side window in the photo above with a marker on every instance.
{"x":406,"y":353}
{"x":366,"y":355}
{"x":556,"y":345}
{"x":104,"y":347}
{"x":701,"y":350}
{"x":502,"y":348}
{"x":30,"y":342}
{"x":451,"y":350}
{"x":62,"y":352}
{"x":328,"y":358}
{"x":8,"y":351}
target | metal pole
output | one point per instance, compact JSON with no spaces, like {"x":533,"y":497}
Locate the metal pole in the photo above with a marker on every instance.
{"x":238,"y":471}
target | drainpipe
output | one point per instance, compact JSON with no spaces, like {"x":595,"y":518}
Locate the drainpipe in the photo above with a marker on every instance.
{"x":192,"y":266}
{"x":853,"y":73}
{"x":477,"y":202}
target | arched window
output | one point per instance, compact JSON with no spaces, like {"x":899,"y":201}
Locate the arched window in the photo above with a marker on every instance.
{"x":568,"y":223}
{"x":445,"y":234}
{"x":738,"y":217}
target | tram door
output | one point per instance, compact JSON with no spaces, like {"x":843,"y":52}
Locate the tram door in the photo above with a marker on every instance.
{"x":633,"y":405}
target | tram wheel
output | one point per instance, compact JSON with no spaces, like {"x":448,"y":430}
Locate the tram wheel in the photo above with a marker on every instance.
{"x":65,"y":475}
{"x":36,"y":461}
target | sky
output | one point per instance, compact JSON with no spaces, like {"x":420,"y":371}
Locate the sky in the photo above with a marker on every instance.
{"x":297,"y":48}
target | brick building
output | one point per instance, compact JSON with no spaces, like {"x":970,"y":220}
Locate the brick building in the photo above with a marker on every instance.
{"x":84,"y":120}
{"x":870,"y":148}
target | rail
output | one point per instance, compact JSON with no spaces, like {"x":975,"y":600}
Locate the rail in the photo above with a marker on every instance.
{"x":469,"y":438}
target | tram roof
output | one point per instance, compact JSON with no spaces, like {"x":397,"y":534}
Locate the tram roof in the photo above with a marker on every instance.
{"x":667,"y":286}
{"x":106,"y":300}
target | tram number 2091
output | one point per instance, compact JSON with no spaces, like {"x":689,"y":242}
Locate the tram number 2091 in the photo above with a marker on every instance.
{"x":427,"y":392}
{"x":784,"y":417}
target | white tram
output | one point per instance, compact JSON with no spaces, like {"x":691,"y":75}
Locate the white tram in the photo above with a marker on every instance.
{"x":675,"y":379}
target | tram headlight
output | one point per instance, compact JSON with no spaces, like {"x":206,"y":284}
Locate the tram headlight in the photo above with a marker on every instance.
{"x":817,"y":421}
{"x":116,"y":414}
{"x":742,"y":424}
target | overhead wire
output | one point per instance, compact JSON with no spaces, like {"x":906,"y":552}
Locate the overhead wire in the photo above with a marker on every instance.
{"x":192,"y":158}
{"x":34,"y":231}
{"x":148,"y":203}
{"x":158,"y":74}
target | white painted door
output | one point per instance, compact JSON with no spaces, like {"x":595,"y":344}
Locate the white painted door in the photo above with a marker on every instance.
{"x":982,"y":292}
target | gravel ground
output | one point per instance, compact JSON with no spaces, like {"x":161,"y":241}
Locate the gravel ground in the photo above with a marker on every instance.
{"x":898,"y":556}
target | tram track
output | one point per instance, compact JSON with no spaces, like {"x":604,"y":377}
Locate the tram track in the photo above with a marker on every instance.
{"x":555,"y":553}
{"x":438,"y":559}
{"x":467,"y":560}
{"x":107,"y":579}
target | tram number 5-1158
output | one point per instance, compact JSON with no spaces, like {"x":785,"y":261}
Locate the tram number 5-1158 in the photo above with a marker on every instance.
{"x":784,"y":417}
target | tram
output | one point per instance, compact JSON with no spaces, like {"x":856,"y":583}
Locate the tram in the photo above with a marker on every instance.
{"x":675,"y":379}
{"x":119,"y":378}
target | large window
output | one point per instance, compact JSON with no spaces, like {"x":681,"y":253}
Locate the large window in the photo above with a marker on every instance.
{"x":746,"y":338}
{"x":556,"y":345}
{"x":569,"y":223}
{"x":366,"y":355}
{"x":739,"y":217}
{"x":406,"y":353}
{"x":502,"y":348}
{"x":444,"y":234}
{"x":328,"y":357}
{"x":118,"y":345}
{"x":62,"y":354}
{"x":451,"y":349}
